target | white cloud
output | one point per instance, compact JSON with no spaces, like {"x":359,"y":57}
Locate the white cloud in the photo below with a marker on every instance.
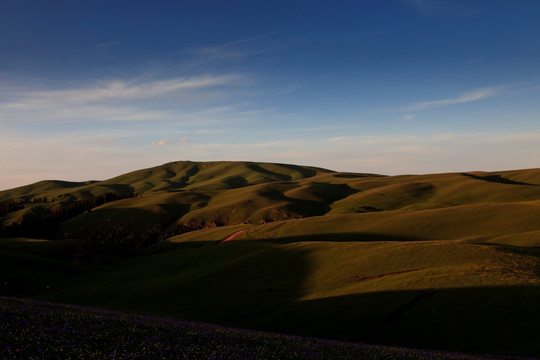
{"x":170,"y":141}
{"x":475,"y":95}
{"x":162,"y":142}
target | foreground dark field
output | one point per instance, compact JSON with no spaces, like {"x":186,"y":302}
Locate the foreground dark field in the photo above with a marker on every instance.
{"x":31,"y":329}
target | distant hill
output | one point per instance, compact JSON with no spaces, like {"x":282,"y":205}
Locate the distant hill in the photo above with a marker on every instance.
{"x":213,"y":193}
{"x":183,"y":196}
{"x":440,"y":261}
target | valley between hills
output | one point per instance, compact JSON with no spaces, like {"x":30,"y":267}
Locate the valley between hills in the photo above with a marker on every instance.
{"x":438,"y":261}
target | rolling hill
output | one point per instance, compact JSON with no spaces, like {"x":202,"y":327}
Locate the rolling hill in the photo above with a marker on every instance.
{"x":437,"y":261}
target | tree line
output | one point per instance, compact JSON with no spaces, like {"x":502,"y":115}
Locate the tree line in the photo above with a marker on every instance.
{"x":78,"y":207}
{"x":44,"y":222}
{"x":9,"y":206}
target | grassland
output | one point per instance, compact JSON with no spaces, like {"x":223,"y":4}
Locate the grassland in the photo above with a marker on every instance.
{"x":440,"y":261}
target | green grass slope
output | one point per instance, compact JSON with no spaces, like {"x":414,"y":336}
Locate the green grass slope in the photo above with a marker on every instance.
{"x":480,"y":222}
{"x":435,"y":191}
{"x":187,"y":175}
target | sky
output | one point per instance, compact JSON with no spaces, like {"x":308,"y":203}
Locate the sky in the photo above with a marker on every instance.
{"x":91,"y":89}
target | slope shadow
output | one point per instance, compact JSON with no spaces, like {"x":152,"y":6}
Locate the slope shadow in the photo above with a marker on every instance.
{"x":305,"y":172}
{"x":260,"y":285}
{"x":326,"y":194}
{"x":134,"y":228}
{"x":301,"y":206}
{"x":119,"y":188}
{"x":336,"y":237}
{"x":261,"y":289}
{"x":346,"y":175}
{"x":497,"y":179}
{"x":258,"y":169}
{"x":484,"y":320}
{"x":235,"y":182}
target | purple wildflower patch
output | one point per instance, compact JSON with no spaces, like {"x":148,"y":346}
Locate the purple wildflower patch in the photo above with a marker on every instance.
{"x":39,"y":330}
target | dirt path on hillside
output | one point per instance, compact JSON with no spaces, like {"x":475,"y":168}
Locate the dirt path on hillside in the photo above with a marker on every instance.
{"x":234,"y":235}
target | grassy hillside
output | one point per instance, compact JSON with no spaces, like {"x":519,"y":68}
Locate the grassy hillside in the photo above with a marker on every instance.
{"x":184,"y":196}
{"x":428,"y":261}
{"x":174,"y":176}
{"x":429,"y":294}
{"x":187,"y":185}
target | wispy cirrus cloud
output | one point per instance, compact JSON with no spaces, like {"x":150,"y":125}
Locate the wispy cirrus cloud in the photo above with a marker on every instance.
{"x":474,"y":95}
{"x":122,"y":90}
{"x":291,"y":89}
{"x":233,"y":50}
{"x":190,"y":98}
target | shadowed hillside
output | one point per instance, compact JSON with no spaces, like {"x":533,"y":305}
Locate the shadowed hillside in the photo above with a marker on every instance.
{"x":427,"y":261}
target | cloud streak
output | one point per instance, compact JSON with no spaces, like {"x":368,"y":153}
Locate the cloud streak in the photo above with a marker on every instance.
{"x":474,"y":95}
{"x":233,"y":50}
{"x":193,"y":99}
{"x":123,"y":90}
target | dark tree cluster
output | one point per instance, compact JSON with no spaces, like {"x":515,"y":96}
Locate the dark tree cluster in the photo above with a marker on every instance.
{"x":43,"y":223}
{"x":36,"y":200}
{"x":10,"y":206}
{"x":78,"y":207}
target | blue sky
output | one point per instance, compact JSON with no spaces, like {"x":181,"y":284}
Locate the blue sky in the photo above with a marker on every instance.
{"x":91,"y":89}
